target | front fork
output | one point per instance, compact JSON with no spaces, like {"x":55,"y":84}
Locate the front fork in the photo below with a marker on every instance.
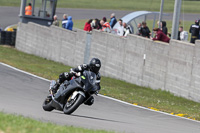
{"x":52,"y":84}
{"x":75,"y":93}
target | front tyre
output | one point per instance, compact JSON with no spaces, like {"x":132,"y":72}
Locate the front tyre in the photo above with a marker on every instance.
{"x":72,"y":104}
{"x":47,"y":105}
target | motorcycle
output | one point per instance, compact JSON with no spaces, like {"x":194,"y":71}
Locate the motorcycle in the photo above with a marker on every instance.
{"x":71,"y":94}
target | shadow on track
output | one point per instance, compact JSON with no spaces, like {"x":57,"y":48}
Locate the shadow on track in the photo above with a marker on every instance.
{"x":95,"y":118}
{"x":100,"y":119}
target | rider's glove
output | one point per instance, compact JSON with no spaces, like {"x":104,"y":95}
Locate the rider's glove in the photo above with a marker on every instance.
{"x":72,"y":71}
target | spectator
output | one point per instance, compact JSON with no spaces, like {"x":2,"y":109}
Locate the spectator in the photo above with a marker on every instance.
{"x":179,"y":32}
{"x":87,"y":26}
{"x":127,"y":29}
{"x":96,"y":24}
{"x":104,"y":19}
{"x":105,"y":26}
{"x":139,"y":26}
{"x":113,"y":20}
{"x":160,"y":36}
{"x":145,"y":32}
{"x":69,"y":24}
{"x":55,"y":21}
{"x":164,"y":28}
{"x":194,"y":30}
{"x":182,"y":35}
{"x":159,"y":24}
{"x":64,"y":21}
{"x":28,"y":9}
{"x":120,"y":30}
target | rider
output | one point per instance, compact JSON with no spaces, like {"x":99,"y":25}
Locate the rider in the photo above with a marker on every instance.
{"x":94,"y":66}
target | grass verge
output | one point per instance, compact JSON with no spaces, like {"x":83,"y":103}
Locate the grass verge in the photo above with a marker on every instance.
{"x":134,"y":5}
{"x":18,"y":124}
{"x":154,"y":99}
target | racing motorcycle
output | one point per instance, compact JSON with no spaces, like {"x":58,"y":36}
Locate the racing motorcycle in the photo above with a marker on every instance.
{"x":71,"y":94}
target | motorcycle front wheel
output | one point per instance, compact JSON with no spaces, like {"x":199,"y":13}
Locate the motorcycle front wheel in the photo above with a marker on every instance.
{"x":72,"y":104}
{"x":47,"y":105}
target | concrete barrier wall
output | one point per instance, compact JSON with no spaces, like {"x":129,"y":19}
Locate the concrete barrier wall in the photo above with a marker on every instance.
{"x":179,"y":70}
{"x":194,"y":91}
{"x":53,"y":43}
{"x":173,"y":67}
{"x":155,"y":66}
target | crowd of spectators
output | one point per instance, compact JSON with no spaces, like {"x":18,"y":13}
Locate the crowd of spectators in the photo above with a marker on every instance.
{"x":160,"y":33}
{"x":98,"y":24}
{"x":103,"y":25}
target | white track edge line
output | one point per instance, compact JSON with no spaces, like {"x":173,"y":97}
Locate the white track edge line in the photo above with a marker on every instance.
{"x":100,"y":94}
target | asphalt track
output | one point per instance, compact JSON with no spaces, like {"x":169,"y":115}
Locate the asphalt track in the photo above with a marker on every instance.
{"x":23,"y":94}
{"x":10,"y":15}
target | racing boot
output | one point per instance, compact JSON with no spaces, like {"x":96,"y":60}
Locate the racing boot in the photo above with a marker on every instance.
{"x":89,"y":101}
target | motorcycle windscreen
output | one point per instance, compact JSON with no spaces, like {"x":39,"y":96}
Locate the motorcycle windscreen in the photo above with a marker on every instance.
{"x":89,"y":80}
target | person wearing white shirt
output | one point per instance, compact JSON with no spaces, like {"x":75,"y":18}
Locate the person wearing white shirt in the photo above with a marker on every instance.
{"x":120,"y":30}
{"x":182,"y":35}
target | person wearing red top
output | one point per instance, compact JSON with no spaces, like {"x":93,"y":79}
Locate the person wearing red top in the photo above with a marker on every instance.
{"x":160,"y":36}
{"x":87,"y":26}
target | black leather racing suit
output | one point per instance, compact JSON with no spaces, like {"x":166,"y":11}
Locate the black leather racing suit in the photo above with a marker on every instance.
{"x":78,"y":71}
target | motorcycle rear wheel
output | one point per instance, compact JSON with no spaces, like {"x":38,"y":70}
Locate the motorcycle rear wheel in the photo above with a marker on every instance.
{"x":47,"y":105}
{"x":71,"y":107}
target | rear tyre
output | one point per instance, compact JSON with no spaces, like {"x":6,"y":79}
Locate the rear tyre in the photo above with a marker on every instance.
{"x":72,"y":104}
{"x":47,"y":105}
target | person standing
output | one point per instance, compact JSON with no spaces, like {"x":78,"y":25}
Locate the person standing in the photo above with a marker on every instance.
{"x":113,"y":20}
{"x":164,"y":27}
{"x":145,"y":32}
{"x":139,"y":26}
{"x":194,"y":30}
{"x":182,"y":35}
{"x":55,"y":21}
{"x":87,"y":26}
{"x":69,"y":24}
{"x":127,"y":29}
{"x":64,"y":21}
{"x":105,"y":25}
{"x":96,"y":24}
{"x":28,"y":9}
{"x":120,"y":30}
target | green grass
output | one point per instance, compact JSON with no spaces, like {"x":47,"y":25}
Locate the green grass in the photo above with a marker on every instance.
{"x":134,"y":5}
{"x":161,"y":100}
{"x":18,"y":124}
{"x":80,"y":23}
